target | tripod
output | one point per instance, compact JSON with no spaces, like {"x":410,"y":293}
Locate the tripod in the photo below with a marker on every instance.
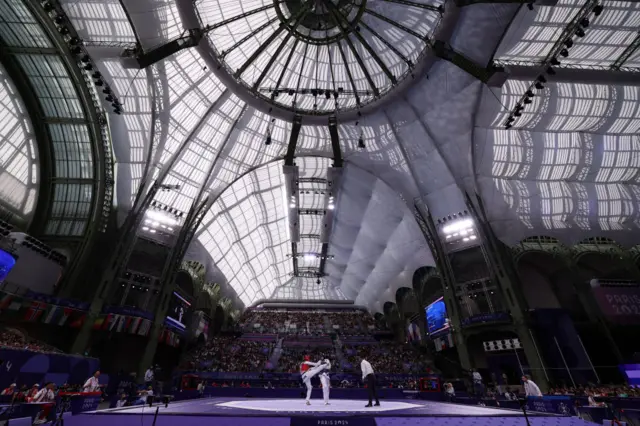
{"x":523,"y":406}
{"x":65,"y":405}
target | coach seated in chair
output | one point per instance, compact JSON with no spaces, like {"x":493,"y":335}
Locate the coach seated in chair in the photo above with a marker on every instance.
{"x":144,"y":397}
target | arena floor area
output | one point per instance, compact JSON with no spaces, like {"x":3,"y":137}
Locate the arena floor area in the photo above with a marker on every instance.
{"x":294,"y":412}
{"x":284,"y":407}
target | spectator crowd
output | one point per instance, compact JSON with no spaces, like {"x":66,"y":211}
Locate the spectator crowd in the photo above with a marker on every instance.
{"x":13,"y":339}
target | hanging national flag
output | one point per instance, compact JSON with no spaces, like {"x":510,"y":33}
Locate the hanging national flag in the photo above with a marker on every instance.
{"x":144,"y":327}
{"x":77,"y":319}
{"x":121,"y":323}
{"x":106,"y":325}
{"x":35,"y":311}
{"x":5,"y":300}
{"x":54,"y":311}
{"x":99,"y":322}
{"x":127,"y":324}
{"x":66,"y":313}
{"x":112,"y":322}
{"x":135,"y":323}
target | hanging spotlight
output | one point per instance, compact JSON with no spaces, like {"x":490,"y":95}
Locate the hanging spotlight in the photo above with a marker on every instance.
{"x":99,"y":83}
{"x":106,"y":90}
{"x":59,"y":20}
{"x":569,"y":43}
{"x":290,"y":92}
{"x":529,"y":93}
{"x":88,"y":67}
{"x":551,"y":71}
{"x":527,"y":101}
{"x":598,"y":10}
{"x":268,"y":140}
{"x":508,"y":126}
{"x":530,"y":5}
{"x":510,"y":119}
{"x":314,"y":92}
{"x":539,"y":85}
{"x":109,"y":98}
{"x":564,"y":53}
{"x":76,"y":50}
{"x":361,"y":144}
{"x":541,"y":79}
{"x":96,"y":75}
{"x":584,"y":22}
{"x":327,"y":94}
{"x":48,"y":7}
{"x":73,"y":41}
{"x":580,"y":32}
{"x":554,"y":61}
{"x":335,"y":94}
{"x":517,"y":114}
{"x":85,"y":59}
{"x":63,"y":30}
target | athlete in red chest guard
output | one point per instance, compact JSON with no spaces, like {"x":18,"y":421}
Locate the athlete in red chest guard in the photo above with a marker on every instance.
{"x":308,"y":370}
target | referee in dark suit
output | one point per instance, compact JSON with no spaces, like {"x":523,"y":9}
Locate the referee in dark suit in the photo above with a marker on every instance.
{"x":369,"y":378}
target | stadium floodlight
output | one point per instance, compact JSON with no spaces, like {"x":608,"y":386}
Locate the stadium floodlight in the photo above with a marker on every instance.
{"x":457,"y":226}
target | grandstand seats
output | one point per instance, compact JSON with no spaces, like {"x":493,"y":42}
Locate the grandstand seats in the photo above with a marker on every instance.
{"x":11,"y":338}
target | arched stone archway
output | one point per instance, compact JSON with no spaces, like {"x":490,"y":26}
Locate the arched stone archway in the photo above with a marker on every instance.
{"x":407,"y":302}
{"x":218,"y":319}
{"x":184,"y":281}
{"x":548,"y":282}
{"x":604,"y":266}
{"x":427,"y":285}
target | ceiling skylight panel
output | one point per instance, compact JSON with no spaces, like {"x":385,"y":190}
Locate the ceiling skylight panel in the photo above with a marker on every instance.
{"x":18,"y":26}
{"x":18,"y":177}
{"x":104,"y":21}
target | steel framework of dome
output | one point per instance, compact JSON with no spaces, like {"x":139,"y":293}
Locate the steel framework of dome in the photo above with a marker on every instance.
{"x":319,"y":56}
{"x":190,"y":146}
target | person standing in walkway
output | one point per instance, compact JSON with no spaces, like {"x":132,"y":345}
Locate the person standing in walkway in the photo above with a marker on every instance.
{"x":369,"y":378}
{"x":530,"y":388}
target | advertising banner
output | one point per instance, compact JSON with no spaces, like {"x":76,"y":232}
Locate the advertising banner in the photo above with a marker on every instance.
{"x":619,"y":304}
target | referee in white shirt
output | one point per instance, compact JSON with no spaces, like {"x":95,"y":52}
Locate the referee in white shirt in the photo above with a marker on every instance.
{"x":369,"y":378}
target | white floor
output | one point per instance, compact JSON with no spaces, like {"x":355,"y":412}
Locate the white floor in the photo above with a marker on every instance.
{"x":317,"y":405}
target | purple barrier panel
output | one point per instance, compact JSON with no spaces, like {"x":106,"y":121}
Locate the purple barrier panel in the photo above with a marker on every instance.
{"x":147,"y":420}
{"x":480,"y":421}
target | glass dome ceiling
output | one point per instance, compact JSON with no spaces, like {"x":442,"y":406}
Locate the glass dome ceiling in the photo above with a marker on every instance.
{"x":319,"y":56}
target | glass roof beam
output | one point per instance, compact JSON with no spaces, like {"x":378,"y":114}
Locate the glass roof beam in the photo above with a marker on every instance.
{"x":286,"y":66}
{"x":273,"y":58}
{"x":444,"y":51}
{"x":398,"y":25}
{"x":342,"y":20}
{"x":462,"y":3}
{"x":228,"y":21}
{"x":389,"y":45}
{"x":335,"y":142}
{"x":12,"y":50}
{"x":323,"y":257}
{"x":293,"y":140}
{"x":244,"y":39}
{"x":592,"y":75}
{"x":297,"y":18}
{"x":345,"y":34}
{"x":162,"y":52}
{"x":439,"y":9}
{"x":630,"y":50}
